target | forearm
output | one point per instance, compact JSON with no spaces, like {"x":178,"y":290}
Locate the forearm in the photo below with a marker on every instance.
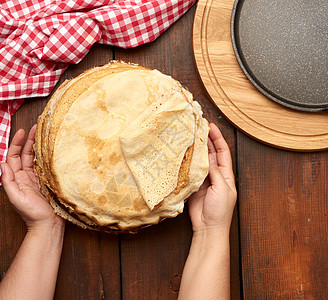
{"x":206,"y":274}
{"x":33,"y":273}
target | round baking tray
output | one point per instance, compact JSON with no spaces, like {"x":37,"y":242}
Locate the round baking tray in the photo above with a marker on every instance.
{"x":282,"y":47}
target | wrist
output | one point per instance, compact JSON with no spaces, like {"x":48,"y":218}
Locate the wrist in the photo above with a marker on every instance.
{"x":46,"y":241}
{"x":211,"y":248}
{"x":211,"y":232}
{"x":50,"y":239}
{"x":52,"y":228}
{"x":211,"y":237}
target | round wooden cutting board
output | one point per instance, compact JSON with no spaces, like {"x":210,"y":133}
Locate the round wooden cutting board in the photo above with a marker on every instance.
{"x":236,"y":97}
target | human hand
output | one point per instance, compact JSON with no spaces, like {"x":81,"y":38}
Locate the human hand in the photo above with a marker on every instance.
{"x":211,"y":208}
{"x":21,"y":184}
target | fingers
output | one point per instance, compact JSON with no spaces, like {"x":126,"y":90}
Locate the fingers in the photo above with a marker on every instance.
{"x":221,"y":147}
{"x":8,"y":181}
{"x":222,"y":155}
{"x":211,"y":151}
{"x":14,"y":150}
{"x":214,"y":171}
{"x":27,"y":155}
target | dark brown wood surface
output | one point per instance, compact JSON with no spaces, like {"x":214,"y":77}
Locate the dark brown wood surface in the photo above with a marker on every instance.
{"x":283,"y":222}
{"x":278,"y":238}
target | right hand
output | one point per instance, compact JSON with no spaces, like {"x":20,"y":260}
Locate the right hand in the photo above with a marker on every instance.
{"x":211,"y":208}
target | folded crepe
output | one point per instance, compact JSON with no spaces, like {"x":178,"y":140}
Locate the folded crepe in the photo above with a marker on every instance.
{"x":120,"y":147}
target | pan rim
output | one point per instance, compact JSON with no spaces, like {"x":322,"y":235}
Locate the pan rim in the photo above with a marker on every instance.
{"x":252,"y":78}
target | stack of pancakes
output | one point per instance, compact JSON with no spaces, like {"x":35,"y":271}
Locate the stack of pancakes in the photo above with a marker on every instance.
{"x":120,"y":147}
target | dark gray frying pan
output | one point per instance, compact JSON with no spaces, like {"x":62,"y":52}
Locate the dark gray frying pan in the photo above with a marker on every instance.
{"x":282,"y":47}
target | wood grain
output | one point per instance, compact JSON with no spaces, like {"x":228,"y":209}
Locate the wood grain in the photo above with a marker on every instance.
{"x":153,"y":260}
{"x":237,"y":98}
{"x":12,"y":233}
{"x":283,"y":222}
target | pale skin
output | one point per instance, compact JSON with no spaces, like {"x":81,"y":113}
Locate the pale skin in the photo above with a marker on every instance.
{"x":206,"y":275}
{"x":33,"y":273}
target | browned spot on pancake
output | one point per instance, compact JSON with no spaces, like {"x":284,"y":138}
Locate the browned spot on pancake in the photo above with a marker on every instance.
{"x":102,"y":105}
{"x":183,"y":177}
{"x":158,"y":205}
{"x":101,"y":171}
{"x":139,"y":204}
{"x":114,"y":159}
{"x":102,"y":200}
{"x":95,"y":149}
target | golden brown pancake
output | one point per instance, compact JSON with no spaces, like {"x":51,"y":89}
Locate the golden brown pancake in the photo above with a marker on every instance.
{"x":120,"y":147}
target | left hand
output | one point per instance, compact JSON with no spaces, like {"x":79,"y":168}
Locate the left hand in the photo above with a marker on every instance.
{"x":21,"y":184}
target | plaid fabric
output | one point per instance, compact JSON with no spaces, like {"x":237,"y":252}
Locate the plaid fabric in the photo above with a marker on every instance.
{"x":39,"y":38}
{"x":7,"y":109}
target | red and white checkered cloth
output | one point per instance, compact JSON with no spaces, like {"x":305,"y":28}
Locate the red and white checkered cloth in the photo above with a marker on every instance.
{"x":39,"y":38}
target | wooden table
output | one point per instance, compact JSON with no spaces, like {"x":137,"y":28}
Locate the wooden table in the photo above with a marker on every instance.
{"x":279,"y":245}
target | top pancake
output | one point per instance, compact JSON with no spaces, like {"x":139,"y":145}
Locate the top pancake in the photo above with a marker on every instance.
{"x":120,"y":147}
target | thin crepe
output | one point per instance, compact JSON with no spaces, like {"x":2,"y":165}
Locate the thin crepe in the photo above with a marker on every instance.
{"x":155,"y":144}
{"x":79,"y":159}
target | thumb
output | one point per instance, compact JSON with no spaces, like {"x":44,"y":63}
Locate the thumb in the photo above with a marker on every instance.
{"x":8,"y":180}
{"x":214,"y":170}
